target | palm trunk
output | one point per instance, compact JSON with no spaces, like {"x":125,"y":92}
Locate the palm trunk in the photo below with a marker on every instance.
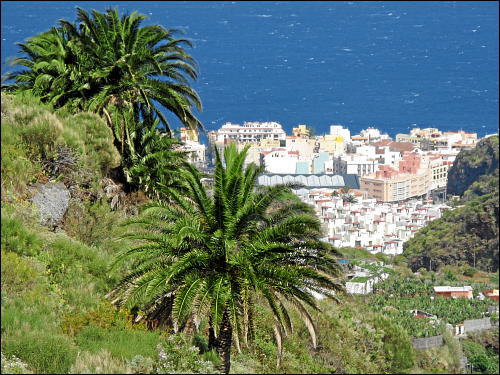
{"x":212,"y":341}
{"x":224,"y":342}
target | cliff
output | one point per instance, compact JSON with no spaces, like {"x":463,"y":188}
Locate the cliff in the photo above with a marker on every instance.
{"x":477,"y":166}
{"x":469,"y":233}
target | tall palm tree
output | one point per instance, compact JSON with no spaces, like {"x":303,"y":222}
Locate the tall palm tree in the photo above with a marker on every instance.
{"x":115,"y":67}
{"x":217,"y":251}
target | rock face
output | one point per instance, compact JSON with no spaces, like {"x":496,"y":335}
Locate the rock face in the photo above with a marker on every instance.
{"x":470,"y":165}
{"x":52,"y":201}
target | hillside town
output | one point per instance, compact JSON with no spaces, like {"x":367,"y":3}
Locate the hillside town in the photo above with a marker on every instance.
{"x":369,"y":191}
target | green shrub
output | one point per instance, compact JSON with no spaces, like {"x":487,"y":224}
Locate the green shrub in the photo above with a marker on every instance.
{"x":91,"y":223}
{"x":483,"y":362}
{"x":43,"y":350}
{"x":65,"y":255}
{"x":97,"y":140}
{"x":398,"y":349}
{"x":18,"y":274}
{"x":121,"y":343}
{"x":468,"y":271}
{"x":16,"y":168}
{"x":104,"y":315}
{"x":17,"y":239}
{"x":176,"y":355}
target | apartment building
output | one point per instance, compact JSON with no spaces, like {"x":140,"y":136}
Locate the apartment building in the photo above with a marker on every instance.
{"x":391,"y":185}
{"x":430,"y":139}
{"x":439,"y":171}
{"x":354,"y":164}
{"x":249,"y":132}
{"x":333,"y":144}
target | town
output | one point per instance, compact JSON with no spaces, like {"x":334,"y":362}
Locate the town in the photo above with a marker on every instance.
{"x":369,"y":191}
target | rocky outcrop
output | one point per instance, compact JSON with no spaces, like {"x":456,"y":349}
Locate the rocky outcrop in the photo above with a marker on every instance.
{"x":470,"y":165}
{"x":470,"y":233}
{"x":51,"y":200}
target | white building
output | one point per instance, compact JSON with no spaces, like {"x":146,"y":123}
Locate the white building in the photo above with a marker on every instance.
{"x":281,"y":160}
{"x":196,"y":152}
{"x":340,"y":131}
{"x":354,"y":164}
{"x":250,"y":132}
{"x":373,"y":135}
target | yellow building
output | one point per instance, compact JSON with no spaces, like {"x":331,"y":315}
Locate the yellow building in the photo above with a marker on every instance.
{"x":301,"y":131}
{"x":189,"y":135}
{"x":333,"y":144}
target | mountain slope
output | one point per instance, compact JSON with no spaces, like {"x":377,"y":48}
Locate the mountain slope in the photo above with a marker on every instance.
{"x":468,"y":234}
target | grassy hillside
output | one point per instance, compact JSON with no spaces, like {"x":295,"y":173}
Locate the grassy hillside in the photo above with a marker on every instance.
{"x":55,"y":318}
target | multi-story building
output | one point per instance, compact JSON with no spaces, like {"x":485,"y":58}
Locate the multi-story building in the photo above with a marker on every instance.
{"x":390,"y":185}
{"x":301,"y":131}
{"x":430,"y":139}
{"x":249,"y":132}
{"x":333,"y":144}
{"x":340,"y":131}
{"x":306,"y":147}
{"x":280,"y":160}
{"x":373,"y":135}
{"x":439,"y":171}
{"x":196,"y":151}
{"x":355,"y":164}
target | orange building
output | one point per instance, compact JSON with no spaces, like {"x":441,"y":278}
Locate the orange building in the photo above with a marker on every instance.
{"x":491,"y":294}
{"x":454,"y":291}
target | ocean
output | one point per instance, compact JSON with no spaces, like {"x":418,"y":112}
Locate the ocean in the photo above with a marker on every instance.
{"x":390,"y":65}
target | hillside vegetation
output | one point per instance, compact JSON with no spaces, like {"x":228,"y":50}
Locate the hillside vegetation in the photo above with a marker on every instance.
{"x":119,"y":257}
{"x":55,"y":318}
{"x":467,"y":235}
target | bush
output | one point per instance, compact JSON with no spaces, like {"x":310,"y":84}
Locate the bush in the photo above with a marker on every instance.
{"x":468,"y":271}
{"x":101,"y":362}
{"x":42,"y":350}
{"x":91,"y":223}
{"x":482,"y":361}
{"x":178,"y":356}
{"x":18,"y":274}
{"x":17,"y":239}
{"x":121,"y":343}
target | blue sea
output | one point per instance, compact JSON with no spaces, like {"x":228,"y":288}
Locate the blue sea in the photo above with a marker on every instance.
{"x":391,"y":65}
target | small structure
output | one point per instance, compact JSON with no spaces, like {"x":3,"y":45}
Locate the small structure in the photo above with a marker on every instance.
{"x":491,"y":294}
{"x":422,"y":314}
{"x":453,"y":291}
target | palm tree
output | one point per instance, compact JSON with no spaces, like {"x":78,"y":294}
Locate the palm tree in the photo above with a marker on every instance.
{"x":51,"y":73}
{"x":112,"y":66}
{"x":217,"y":251}
{"x":154,"y":160}
{"x":349,"y":198}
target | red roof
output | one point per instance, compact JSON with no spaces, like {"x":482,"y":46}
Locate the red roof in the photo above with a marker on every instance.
{"x":335,"y":238}
{"x":377,"y":245}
